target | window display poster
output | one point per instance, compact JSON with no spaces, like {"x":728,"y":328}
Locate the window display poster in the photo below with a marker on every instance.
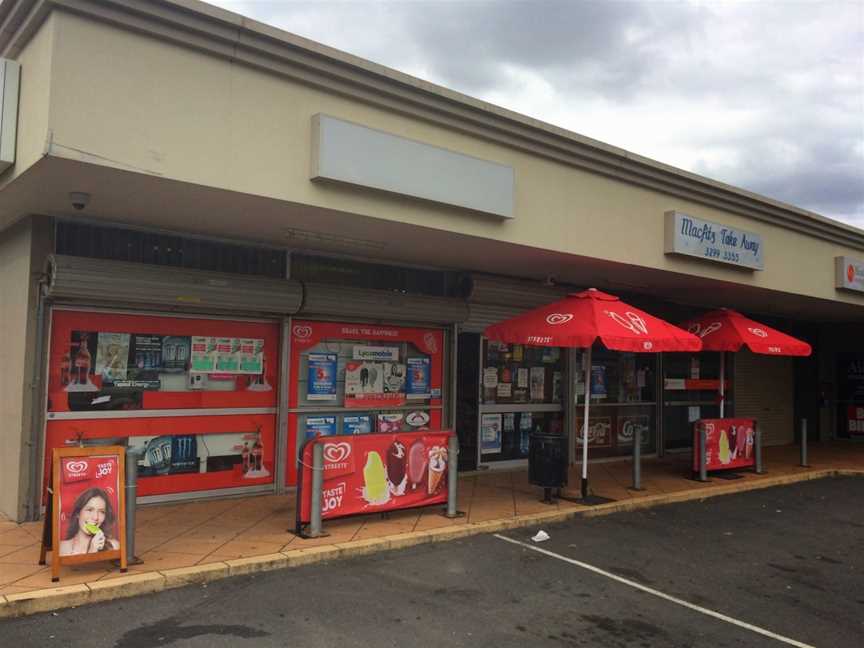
{"x":630,"y":426}
{"x":251,"y":356}
{"x":394,"y":377}
{"x":599,"y":432}
{"x":203,"y":354}
{"x":320,"y":426}
{"x":112,"y":356}
{"x":388,"y":423}
{"x":321,"y":376}
{"x":526,"y":421}
{"x":517,"y":353}
{"x":538,"y":383}
{"x":522,"y":378}
{"x":490,"y":377}
{"x":490,"y":434}
{"x":505,"y":390}
{"x":361,"y":424}
{"x":551,"y":354}
{"x":417,"y":381}
{"x":556,"y":386}
{"x":364,"y":378}
{"x":227,"y":355}
{"x":598,"y":381}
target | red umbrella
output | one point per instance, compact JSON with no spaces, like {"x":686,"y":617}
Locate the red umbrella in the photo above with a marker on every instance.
{"x":728,"y":330}
{"x":582,"y":318}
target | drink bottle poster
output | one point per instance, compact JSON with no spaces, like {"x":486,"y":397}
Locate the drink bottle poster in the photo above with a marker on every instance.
{"x":729,"y":443}
{"x":227,"y":355}
{"x":112,"y":356}
{"x":251,"y":356}
{"x":372,"y":473}
{"x":82,"y":350}
{"x":203,"y":354}
{"x":599,"y":432}
{"x":631,"y":426}
{"x":321,"y":375}
{"x":87,"y":511}
{"x":320,"y":426}
{"x":490,"y":433}
{"x":361,"y":424}
{"x":417,"y":379}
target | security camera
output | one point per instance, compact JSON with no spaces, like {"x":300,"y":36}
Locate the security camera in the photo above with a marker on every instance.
{"x":79,"y":199}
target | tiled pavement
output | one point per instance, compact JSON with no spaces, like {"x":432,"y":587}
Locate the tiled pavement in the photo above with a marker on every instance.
{"x":185,"y":535}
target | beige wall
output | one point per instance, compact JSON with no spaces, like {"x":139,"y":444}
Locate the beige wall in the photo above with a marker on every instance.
{"x":122,"y":99}
{"x":34,"y":103}
{"x":22,"y":249}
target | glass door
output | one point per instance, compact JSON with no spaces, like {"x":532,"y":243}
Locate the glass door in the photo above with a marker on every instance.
{"x":691,"y":383}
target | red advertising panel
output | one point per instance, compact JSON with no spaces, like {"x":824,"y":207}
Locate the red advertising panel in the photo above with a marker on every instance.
{"x":348,"y":378}
{"x":198,"y":396}
{"x":729,"y":443}
{"x":372,"y":473}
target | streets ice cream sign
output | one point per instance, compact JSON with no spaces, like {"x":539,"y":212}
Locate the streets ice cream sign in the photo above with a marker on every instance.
{"x":849,"y":274}
{"x":694,"y":237}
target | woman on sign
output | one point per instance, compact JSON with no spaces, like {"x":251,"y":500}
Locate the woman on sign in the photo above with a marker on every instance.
{"x":91,"y":525}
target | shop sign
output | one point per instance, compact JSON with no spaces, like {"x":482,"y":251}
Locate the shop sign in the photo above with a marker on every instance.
{"x":717,"y":242}
{"x":849,"y":274}
{"x":373,"y":473}
{"x":729,"y":443}
{"x":855,"y":421}
{"x":374,"y":353}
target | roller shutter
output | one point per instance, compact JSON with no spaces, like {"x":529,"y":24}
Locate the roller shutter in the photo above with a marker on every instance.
{"x":493,"y":299}
{"x":764,"y":389}
{"x":98,"y":281}
{"x":380,"y":305}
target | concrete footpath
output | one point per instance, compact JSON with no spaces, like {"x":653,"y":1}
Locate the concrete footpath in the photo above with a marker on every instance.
{"x":181,"y":544}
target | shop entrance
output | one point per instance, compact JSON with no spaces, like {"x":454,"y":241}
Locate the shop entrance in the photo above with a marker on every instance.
{"x":690,"y":391}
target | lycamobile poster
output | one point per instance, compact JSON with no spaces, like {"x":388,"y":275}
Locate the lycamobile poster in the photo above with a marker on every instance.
{"x":321,"y":376}
{"x":417,"y":380}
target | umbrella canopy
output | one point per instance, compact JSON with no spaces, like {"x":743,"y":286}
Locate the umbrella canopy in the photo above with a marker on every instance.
{"x":728,"y":330}
{"x":580,"y":319}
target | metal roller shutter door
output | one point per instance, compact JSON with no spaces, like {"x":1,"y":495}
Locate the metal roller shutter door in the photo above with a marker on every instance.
{"x":98,"y":281}
{"x":764,"y":388}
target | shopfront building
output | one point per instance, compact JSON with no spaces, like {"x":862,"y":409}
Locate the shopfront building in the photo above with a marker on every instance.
{"x":220,"y":240}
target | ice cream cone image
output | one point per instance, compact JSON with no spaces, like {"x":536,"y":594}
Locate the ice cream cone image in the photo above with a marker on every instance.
{"x":437,"y":467}
{"x":725,"y":454}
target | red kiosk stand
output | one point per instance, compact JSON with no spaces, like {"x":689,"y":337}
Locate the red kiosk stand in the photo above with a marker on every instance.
{"x":725,"y":444}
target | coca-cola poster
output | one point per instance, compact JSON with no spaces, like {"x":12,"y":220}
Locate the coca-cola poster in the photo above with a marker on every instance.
{"x":629,"y":427}
{"x":599,"y":432}
{"x":88,"y":505}
{"x":372,"y":473}
{"x":729,"y":443}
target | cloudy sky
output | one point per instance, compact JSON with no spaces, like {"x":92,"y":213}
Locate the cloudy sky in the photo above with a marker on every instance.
{"x":768,"y":96}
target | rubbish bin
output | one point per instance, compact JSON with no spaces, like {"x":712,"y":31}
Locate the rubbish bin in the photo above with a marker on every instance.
{"x":547,"y":460}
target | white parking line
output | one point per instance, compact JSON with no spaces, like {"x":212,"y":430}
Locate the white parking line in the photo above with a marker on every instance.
{"x":648,"y":590}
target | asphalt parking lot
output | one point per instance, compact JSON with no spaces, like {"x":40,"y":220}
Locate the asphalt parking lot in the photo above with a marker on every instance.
{"x":774,"y":567}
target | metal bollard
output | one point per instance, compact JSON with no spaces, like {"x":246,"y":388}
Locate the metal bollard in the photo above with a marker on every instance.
{"x":759,"y":470}
{"x":452,"y":477}
{"x":132,"y":456}
{"x":703,"y":441}
{"x":804,"y":443}
{"x":637,"y":461}
{"x":317,"y":484}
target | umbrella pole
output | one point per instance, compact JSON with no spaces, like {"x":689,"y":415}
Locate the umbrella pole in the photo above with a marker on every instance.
{"x":722,"y":382}
{"x":585,"y":424}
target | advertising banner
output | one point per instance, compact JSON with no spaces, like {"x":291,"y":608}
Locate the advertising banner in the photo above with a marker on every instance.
{"x":320,"y":426}
{"x":490,"y":433}
{"x":855,"y":421}
{"x":361,"y":424}
{"x":203,"y":354}
{"x":321,"y":376}
{"x":729,"y":443}
{"x":372,"y":473}
{"x":87,"y":510}
{"x":417,"y":381}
